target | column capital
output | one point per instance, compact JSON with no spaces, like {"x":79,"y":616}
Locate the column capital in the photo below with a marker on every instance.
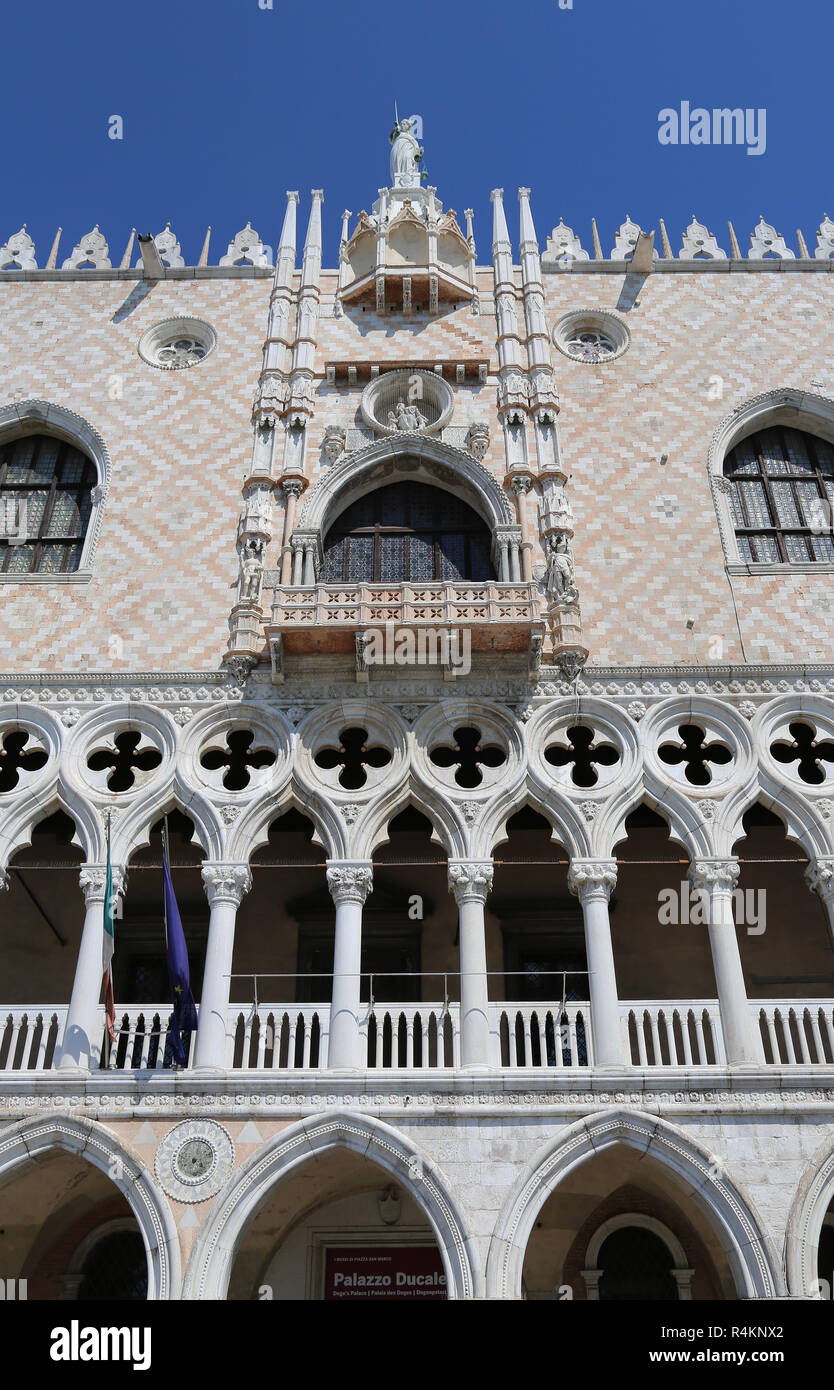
{"x":592,"y":878}
{"x":93,"y":878}
{"x":226,"y":882}
{"x":4,"y":881}
{"x":350,"y":881}
{"x":819,"y":876}
{"x":710,"y":874}
{"x":470,"y":879}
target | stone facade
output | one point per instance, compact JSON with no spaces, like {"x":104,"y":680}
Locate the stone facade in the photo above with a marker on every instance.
{"x":619,"y":605}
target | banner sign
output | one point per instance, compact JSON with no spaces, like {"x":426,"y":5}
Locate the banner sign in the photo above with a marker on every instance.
{"x":386,"y":1271}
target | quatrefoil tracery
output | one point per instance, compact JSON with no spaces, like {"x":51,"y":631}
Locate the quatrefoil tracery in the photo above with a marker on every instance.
{"x":695,"y":753}
{"x":353,"y":756}
{"x":807,"y":751}
{"x":14,"y":760}
{"x":124,"y":760}
{"x":583,"y":753}
{"x":238,"y":757}
{"x":468,"y":755}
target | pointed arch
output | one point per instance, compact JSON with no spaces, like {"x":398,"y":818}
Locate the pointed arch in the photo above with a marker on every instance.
{"x":210,"y":1265}
{"x":420,"y":458}
{"x":755,"y":1268}
{"x":813,"y":1198}
{"x":91,"y":1141}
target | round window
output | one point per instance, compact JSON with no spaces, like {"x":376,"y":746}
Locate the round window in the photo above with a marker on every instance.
{"x":592,"y":336}
{"x":177,"y":343}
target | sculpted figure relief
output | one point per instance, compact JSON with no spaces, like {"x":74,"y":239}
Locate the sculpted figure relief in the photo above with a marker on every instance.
{"x":251,"y":569}
{"x":561,"y":582}
{"x":406,"y":417}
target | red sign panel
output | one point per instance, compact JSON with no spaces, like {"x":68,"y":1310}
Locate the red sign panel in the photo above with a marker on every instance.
{"x":386,"y":1271}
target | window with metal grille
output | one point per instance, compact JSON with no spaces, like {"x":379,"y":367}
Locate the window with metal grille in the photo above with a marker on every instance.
{"x":116,"y":1270}
{"x":408,"y":532}
{"x":46,"y":490}
{"x":782,"y":496}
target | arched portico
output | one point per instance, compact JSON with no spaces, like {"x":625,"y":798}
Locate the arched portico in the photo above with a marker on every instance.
{"x":209,"y":1269}
{"x":97,"y":1145}
{"x":755,"y":1269}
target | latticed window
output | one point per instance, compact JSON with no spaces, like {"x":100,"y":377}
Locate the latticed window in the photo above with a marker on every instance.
{"x":407,"y":532}
{"x":116,"y":1270}
{"x":782,"y":497}
{"x":45,"y":502}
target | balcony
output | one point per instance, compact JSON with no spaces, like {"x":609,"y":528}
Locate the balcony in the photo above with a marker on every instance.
{"x":538,"y":1038}
{"x":498,"y":617}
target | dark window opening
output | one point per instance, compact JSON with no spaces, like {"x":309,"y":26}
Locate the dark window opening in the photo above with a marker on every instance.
{"x":781,"y":497}
{"x":46,"y":489}
{"x":408,"y":532}
{"x":636,"y":1265}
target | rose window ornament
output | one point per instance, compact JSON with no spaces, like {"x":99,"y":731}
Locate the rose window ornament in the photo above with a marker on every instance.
{"x":181,"y":352}
{"x":590,"y":346}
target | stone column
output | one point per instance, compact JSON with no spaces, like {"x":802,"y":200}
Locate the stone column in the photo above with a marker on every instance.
{"x":503,"y":561}
{"x":521,"y":484}
{"x":471,"y":881}
{"x":309,"y":564}
{"x":819,"y":876}
{"x":715,"y":879}
{"x":225,"y":885}
{"x":593,"y":881}
{"x":349,"y":884}
{"x":81,"y":1044}
{"x":297,"y":562}
{"x":292,"y":489}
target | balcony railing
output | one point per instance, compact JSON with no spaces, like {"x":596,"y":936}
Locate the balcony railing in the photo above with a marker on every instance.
{"x":424,"y":1037}
{"x":796,"y":1031}
{"x":29,"y":1035}
{"x":674,"y":1033}
{"x":439,"y":605}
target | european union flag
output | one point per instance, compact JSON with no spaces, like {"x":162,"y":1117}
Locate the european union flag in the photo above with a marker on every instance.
{"x":184,"y":1020}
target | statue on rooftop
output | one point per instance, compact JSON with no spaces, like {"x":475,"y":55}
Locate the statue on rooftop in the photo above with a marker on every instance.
{"x":406,"y":154}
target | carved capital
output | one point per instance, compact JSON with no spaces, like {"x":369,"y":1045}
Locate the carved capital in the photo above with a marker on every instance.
{"x":226,"y":883}
{"x":470,"y":878}
{"x":93,"y":878}
{"x":350,"y":883}
{"x":592,"y":879}
{"x":4,"y":881}
{"x":714,"y":875}
{"x":292,"y":487}
{"x":819,"y":876}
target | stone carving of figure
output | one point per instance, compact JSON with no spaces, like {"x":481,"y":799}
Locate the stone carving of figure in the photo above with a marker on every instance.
{"x":406,"y":417}
{"x":405,"y":155}
{"x":251,"y":569}
{"x":561,"y":583}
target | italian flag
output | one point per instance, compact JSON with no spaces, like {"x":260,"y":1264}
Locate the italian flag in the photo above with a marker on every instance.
{"x":107,"y":947}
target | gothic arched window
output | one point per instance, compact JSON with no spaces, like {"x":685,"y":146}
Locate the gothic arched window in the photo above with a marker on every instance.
{"x":407,"y":532}
{"x":46,"y":488}
{"x":782,"y":492}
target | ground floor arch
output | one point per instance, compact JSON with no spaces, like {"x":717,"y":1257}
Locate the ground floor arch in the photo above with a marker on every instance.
{"x":82,"y":1186}
{"x":722,"y":1209}
{"x":292,"y":1162}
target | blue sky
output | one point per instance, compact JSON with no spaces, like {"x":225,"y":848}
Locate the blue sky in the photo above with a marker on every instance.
{"x":225,"y":105}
